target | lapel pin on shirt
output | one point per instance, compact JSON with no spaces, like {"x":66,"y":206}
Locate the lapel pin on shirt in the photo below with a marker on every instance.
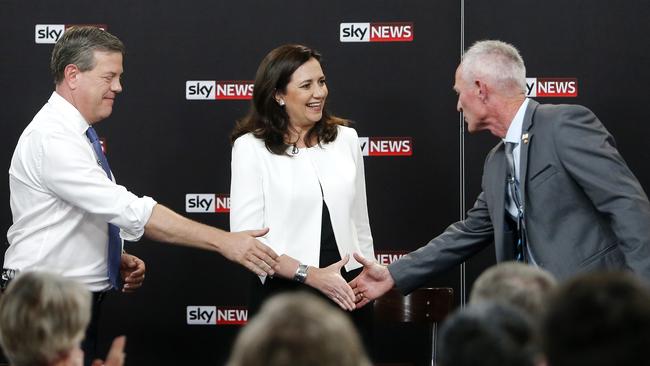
{"x":524,"y":138}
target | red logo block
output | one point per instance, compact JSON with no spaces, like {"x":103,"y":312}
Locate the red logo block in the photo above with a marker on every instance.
{"x":386,"y":146}
{"x":387,"y":257}
{"x":391,"y":32}
{"x":551,"y":87}
{"x":232,"y":90}
{"x":232,"y":316}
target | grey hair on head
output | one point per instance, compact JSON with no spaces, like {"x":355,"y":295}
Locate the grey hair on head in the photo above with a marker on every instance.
{"x":496,"y":61}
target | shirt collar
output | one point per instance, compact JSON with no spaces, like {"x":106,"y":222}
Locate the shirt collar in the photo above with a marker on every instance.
{"x":514,"y":131}
{"x":73,"y":118}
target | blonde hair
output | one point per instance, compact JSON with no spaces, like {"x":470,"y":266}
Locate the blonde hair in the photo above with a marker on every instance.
{"x":298,"y":329}
{"x":43,"y":316}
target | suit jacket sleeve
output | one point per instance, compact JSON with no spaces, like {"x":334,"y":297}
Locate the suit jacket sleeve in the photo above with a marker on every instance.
{"x":360,"y":205}
{"x":588,"y":152}
{"x":246,"y":188}
{"x":458,"y":242}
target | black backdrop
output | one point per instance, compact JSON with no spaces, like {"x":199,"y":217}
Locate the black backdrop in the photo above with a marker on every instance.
{"x":163,"y":145}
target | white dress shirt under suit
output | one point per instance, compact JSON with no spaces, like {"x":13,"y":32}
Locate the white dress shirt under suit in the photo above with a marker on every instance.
{"x":61,"y":200}
{"x":285,"y":194}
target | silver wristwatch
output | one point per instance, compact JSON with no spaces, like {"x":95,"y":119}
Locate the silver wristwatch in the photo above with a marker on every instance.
{"x":301,"y":273}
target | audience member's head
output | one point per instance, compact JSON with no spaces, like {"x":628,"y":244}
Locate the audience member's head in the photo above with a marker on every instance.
{"x":298,"y":329}
{"x":523,"y":286}
{"x":43,"y":317}
{"x":599,"y":319}
{"x":487,"y":334}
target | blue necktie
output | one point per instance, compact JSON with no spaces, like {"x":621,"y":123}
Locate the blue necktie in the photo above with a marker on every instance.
{"x":513,"y":189}
{"x":114,"y":241}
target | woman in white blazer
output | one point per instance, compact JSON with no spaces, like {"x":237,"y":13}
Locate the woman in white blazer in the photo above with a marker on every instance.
{"x":298,"y":170}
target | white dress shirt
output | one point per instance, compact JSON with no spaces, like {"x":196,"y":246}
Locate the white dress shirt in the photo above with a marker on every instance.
{"x":61,"y":200}
{"x":283,"y":193}
{"x":514,"y":135}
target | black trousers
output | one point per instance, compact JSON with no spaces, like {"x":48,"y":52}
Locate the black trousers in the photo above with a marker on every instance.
{"x":362,"y":318}
{"x":89,"y":344}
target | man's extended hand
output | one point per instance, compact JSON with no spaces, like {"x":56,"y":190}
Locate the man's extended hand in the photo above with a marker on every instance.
{"x":132,"y":271}
{"x":243,"y":248}
{"x":372,"y":282}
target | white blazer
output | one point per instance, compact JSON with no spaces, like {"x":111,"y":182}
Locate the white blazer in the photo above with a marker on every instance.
{"x":283,"y":193}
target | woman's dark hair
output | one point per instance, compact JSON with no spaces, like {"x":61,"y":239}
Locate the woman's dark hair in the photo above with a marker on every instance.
{"x":269,"y":121}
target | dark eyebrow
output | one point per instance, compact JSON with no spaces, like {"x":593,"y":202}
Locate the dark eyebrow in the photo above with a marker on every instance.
{"x":310,"y":80}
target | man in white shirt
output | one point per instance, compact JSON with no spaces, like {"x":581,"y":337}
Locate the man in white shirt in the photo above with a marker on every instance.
{"x":64,"y":203}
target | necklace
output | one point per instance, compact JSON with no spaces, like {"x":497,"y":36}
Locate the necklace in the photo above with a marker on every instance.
{"x":294,"y":148}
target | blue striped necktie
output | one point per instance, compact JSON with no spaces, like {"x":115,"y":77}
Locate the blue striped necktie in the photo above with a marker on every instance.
{"x":114,"y":241}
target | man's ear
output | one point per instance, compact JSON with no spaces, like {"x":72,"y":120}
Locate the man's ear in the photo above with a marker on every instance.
{"x":71,"y":75}
{"x":481,"y":90}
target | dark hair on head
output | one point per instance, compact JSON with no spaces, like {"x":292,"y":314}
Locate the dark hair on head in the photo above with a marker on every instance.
{"x":488,"y":334}
{"x":76,"y":47}
{"x":599,"y":319}
{"x":269,"y":121}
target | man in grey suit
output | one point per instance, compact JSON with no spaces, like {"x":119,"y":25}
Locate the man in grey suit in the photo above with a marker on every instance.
{"x":556,"y":192}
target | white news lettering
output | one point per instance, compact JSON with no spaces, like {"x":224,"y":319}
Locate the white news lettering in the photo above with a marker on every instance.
{"x":386,"y":259}
{"x":234,"y":89}
{"x":386,"y":146}
{"x":222,"y":203}
{"x":557,"y":87}
{"x":391,"y":31}
{"x":232,"y":316}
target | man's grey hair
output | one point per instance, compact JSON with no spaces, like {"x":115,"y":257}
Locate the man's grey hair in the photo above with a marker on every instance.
{"x":524,"y":286}
{"x":497,"y":61}
{"x":43,"y":316}
{"x":77,"y":47}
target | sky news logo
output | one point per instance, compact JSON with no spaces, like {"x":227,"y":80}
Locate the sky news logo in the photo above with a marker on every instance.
{"x":386,"y":146}
{"x":219,"y":90}
{"x":212,"y":315}
{"x":551,"y":87}
{"x":207,"y":203}
{"x":387,"y":257}
{"x":50,"y":33}
{"x":376,"y":32}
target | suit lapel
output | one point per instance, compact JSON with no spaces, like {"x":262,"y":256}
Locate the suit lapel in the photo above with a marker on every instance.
{"x":526,"y":138}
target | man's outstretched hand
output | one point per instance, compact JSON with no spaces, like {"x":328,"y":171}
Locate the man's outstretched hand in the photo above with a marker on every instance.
{"x":372,"y":282}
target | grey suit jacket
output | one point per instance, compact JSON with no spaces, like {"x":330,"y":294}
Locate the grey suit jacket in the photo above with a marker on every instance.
{"x":584,"y":209}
